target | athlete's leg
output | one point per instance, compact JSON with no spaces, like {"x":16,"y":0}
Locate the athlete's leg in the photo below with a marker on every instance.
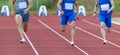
{"x":25,"y":21}
{"x":64,"y":20}
{"x":25,"y":26}
{"x":108,"y":23}
{"x":72,"y":21}
{"x":102,"y":28}
{"x":63,"y":28}
{"x":18,"y":20}
{"x":72,"y":24}
{"x":103,"y":32}
{"x":108,"y":30}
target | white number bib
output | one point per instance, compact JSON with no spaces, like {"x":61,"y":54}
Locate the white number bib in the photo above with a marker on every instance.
{"x":105,"y":7}
{"x":69,"y":6}
{"x":22,"y":5}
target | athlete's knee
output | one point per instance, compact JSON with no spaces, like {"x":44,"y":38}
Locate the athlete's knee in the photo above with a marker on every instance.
{"x":102,"y":25}
{"x":18,"y":17}
{"x":73,"y":26}
{"x":18,"y":20}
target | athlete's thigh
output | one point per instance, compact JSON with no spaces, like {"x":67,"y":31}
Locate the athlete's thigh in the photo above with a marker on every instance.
{"x":18,"y":18}
{"x":101,"y":18}
{"x":108,"y":21}
{"x":72,"y":18}
{"x":64,"y":20}
{"x":26,"y":17}
{"x":19,"y":15}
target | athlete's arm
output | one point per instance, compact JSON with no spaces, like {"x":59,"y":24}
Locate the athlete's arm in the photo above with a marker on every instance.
{"x":77,"y":6}
{"x":12,"y":8}
{"x":29,"y":6}
{"x":95,"y":8}
{"x":59,"y":6}
{"x":113,"y":5}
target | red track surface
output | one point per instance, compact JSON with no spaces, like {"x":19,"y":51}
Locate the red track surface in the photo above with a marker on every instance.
{"x":46,"y":42}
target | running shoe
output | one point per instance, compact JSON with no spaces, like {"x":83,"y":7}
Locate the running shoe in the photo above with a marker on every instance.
{"x":22,"y":41}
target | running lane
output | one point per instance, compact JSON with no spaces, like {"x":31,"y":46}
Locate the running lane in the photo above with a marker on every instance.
{"x":46,"y":42}
{"x":85,"y":41}
{"x":10,"y":39}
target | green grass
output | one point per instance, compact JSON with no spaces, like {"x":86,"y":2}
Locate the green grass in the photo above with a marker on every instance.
{"x":116,"y":20}
{"x":51,"y":5}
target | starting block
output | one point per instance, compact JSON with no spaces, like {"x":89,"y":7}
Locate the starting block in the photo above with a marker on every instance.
{"x":5,"y":11}
{"x":81,"y":11}
{"x":42,"y":11}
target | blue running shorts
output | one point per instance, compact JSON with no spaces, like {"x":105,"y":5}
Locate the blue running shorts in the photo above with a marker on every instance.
{"x":25,"y":17}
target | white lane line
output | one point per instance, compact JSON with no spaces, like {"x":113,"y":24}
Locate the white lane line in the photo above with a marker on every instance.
{"x":96,"y":36}
{"x":34,"y":49}
{"x":99,"y":26}
{"x":61,"y":36}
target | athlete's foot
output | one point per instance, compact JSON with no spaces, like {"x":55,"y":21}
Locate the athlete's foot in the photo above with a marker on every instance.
{"x":22,"y":41}
{"x":105,"y":42}
{"x":72,"y":43}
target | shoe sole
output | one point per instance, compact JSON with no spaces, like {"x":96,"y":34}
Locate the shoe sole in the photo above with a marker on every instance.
{"x":72,"y":45}
{"x":22,"y":42}
{"x":104,"y":43}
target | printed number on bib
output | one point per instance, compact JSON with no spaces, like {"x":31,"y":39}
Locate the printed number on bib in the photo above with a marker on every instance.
{"x":69,"y":6}
{"x":22,"y":5}
{"x":105,"y":7}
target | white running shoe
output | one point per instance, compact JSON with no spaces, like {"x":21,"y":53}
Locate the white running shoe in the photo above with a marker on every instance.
{"x":22,"y":41}
{"x":105,"y":42}
{"x":72,"y":43}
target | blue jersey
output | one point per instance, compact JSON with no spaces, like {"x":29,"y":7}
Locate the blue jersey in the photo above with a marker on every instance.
{"x":22,"y":4}
{"x":104,"y":5}
{"x":68,"y":6}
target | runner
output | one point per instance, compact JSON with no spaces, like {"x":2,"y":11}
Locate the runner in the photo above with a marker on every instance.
{"x":66,"y":8}
{"x":105,"y":15}
{"x":22,"y":15}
